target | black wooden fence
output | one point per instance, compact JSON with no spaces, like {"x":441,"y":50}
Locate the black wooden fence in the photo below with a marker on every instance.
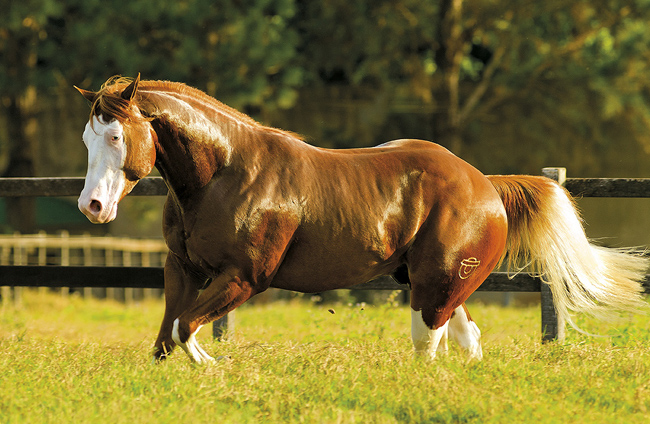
{"x":152,"y":277}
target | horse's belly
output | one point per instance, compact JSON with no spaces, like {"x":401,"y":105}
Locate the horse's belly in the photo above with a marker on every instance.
{"x":316,"y":281}
{"x":332,"y":257}
{"x":328,"y":268}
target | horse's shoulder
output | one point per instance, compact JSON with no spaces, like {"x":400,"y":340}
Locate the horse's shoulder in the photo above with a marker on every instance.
{"x":173,"y":230}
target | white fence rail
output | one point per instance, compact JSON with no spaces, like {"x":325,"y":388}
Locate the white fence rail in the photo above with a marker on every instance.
{"x":67,"y":250}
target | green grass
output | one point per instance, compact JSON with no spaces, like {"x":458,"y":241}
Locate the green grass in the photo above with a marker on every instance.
{"x":69,"y":360}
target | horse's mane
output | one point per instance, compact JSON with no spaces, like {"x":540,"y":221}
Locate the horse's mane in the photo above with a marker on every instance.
{"x":110,"y":104}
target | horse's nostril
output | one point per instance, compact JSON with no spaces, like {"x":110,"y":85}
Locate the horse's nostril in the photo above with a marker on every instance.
{"x":95,"y":206}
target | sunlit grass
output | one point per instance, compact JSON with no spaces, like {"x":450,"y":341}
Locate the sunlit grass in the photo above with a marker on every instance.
{"x":70,"y":360}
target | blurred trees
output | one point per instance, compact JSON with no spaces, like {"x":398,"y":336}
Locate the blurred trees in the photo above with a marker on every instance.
{"x":509,"y":85}
{"x":21,"y":36}
{"x":557,"y":74}
{"x":239,"y":49}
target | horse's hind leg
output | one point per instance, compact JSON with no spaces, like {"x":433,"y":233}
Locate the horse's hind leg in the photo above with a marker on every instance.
{"x":437,"y":303}
{"x":437,"y":296}
{"x":427,"y":341}
{"x":460,"y":328}
{"x":457,"y":248}
{"x":465,"y":332}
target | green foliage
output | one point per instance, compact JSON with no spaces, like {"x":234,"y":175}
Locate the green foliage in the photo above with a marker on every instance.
{"x":555,"y":81}
{"x":241,"y":50}
{"x":23,"y":31}
{"x":378,"y":44}
{"x":87,"y":361}
{"x":581,"y":65}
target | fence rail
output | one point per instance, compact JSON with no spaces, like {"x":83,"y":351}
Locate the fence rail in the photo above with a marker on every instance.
{"x":608,"y":187}
{"x":152,"y":277}
{"x":69,"y":186}
{"x":83,"y":242}
{"x":155,"y":186}
{"x":40,"y":250}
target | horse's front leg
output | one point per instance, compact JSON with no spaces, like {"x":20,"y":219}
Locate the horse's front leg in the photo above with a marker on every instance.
{"x":181,"y":290}
{"x":225,"y":293}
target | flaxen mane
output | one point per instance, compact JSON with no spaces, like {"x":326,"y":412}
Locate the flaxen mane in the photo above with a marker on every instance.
{"x":109,"y":103}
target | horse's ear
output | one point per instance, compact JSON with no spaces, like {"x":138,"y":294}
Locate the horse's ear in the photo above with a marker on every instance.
{"x":129,"y":92}
{"x":89,"y":95}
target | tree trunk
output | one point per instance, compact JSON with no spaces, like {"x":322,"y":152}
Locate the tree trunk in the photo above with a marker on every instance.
{"x":449,"y":55}
{"x":21,"y":128}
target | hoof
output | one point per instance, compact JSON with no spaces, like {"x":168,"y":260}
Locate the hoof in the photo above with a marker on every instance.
{"x":158,"y":359}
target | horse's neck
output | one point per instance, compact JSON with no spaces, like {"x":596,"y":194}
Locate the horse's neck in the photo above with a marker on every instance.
{"x":198,"y":139}
{"x":188,"y":159}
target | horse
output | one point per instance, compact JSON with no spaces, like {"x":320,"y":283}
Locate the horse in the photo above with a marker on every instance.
{"x":251,"y":207}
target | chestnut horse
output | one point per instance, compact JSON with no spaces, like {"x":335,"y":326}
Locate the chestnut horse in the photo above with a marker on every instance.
{"x":252,"y":207}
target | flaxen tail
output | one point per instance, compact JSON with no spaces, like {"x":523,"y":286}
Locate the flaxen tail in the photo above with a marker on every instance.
{"x":546,"y":238}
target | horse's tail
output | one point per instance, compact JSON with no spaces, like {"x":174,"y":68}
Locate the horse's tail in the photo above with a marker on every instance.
{"x":546,"y":238}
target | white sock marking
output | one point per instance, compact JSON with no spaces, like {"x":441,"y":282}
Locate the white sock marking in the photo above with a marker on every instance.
{"x":191,"y":346}
{"x":425,"y":340}
{"x":466,"y":333}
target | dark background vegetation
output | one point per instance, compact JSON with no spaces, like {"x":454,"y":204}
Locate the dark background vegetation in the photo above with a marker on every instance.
{"x":511,"y":86}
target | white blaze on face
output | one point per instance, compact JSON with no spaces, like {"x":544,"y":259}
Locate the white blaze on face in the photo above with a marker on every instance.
{"x":105,"y":179}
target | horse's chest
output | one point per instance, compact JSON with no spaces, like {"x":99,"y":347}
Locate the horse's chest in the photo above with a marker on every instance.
{"x":253,"y":242}
{"x":192,"y":235}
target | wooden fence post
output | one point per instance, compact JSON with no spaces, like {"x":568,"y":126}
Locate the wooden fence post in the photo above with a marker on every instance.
{"x":20,"y":258}
{"x":126,"y":262}
{"x":5,"y":291}
{"x":42,"y":254}
{"x":65,"y":256}
{"x":88,"y":261}
{"x":552,"y":326}
{"x":108,"y":261}
{"x":146,"y":262}
{"x":224,"y":326}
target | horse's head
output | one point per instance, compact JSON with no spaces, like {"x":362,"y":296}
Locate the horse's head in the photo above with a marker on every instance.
{"x":121,"y":148}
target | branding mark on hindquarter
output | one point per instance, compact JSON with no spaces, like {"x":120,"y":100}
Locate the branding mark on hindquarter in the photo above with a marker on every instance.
{"x":467,"y":266}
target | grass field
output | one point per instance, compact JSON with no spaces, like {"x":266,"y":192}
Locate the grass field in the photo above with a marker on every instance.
{"x":70,"y":360}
